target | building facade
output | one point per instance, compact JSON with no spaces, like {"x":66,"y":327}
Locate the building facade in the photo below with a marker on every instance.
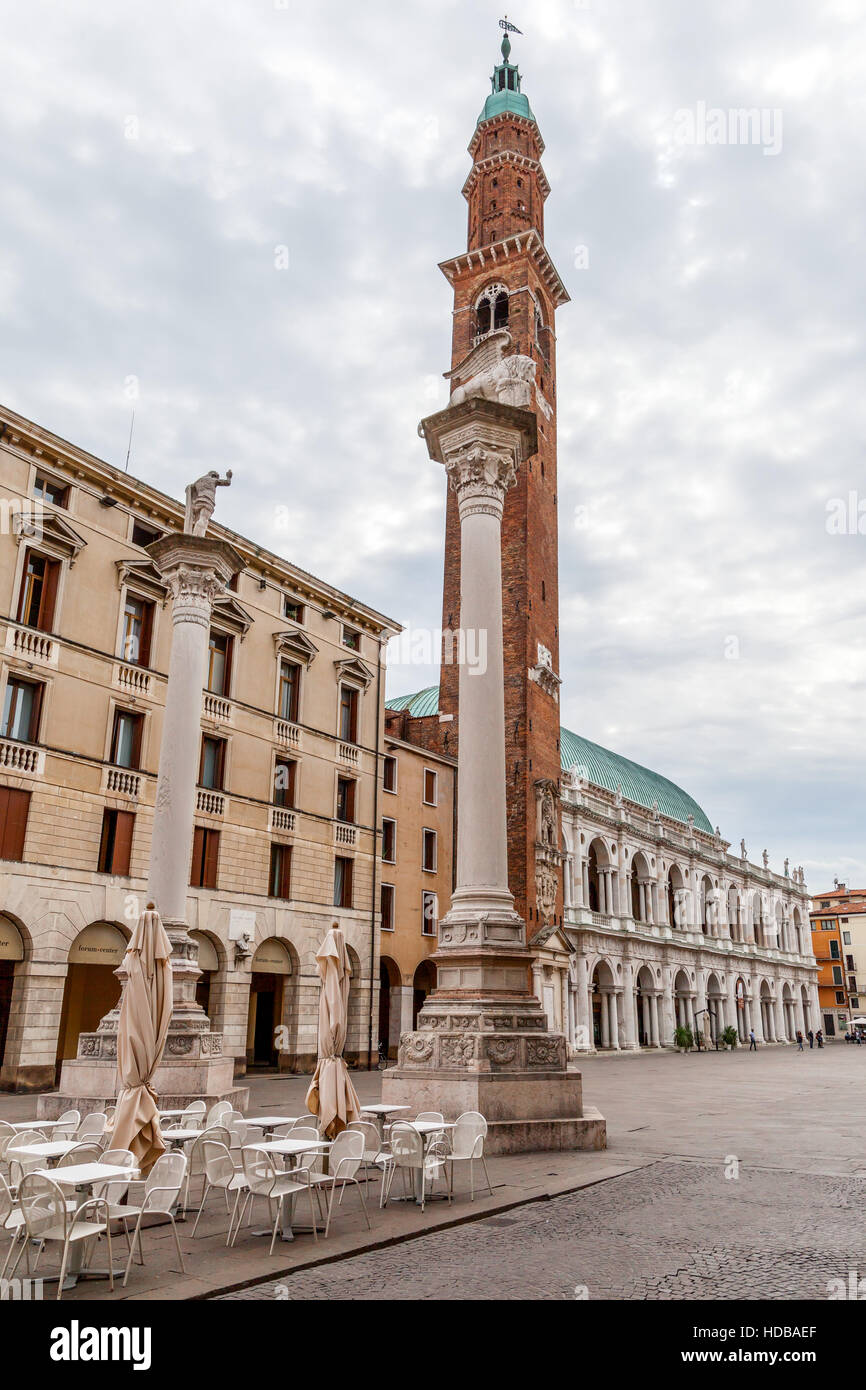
{"x":838,"y":924}
{"x":289,"y":791}
{"x":417,"y":840}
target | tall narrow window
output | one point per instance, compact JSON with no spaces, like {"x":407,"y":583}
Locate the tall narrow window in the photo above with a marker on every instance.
{"x":205,"y":857}
{"x":137,"y":631}
{"x":212,"y":764}
{"x":126,"y":739}
{"x":38,"y":595}
{"x":115,"y":846}
{"x":348,"y":714}
{"x":389,"y":773}
{"x":14,"y":809}
{"x":430,"y":787}
{"x":285,"y":777}
{"x":389,"y":841}
{"x":343,"y":874}
{"x":429,"y":851}
{"x":387,"y":905}
{"x":346,"y":799}
{"x":280,"y":885}
{"x":290,"y":691}
{"x":22,"y":706}
{"x":429,"y":914}
{"x":219,"y":663}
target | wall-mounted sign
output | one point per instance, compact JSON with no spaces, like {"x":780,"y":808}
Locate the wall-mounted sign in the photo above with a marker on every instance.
{"x":242,"y":923}
{"x":11,"y":945}
{"x":272,"y":958}
{"x":98,"y":944}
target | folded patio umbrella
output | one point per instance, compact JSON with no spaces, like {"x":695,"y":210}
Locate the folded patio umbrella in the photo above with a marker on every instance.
{"x":331,"y":1095}
{"x":145,"y":1012}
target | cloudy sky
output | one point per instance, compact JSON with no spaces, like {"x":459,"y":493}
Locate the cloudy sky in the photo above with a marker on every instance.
{"x":230,"y":216}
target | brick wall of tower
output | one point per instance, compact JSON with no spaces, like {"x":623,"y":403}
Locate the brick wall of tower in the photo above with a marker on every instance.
{"x":530,"y":522}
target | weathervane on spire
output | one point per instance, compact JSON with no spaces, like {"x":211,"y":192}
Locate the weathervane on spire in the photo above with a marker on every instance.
{"x":510,"y":28}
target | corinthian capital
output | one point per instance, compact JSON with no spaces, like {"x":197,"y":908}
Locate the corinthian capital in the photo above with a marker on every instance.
{"x":481,"y":474}
{"x":193,"y":590}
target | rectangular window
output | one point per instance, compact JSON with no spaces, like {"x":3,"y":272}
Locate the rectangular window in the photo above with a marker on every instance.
{"x":14,"y":808}
{"x":219,"y":663}
{"x":346,"y":799}
{"x":22,"y":708}
{"x":855,"y":1003}
{"x":849,"y":963}
{"x":343,"y":874}
{"x":142,"y":534}
{"x":205,"y":857}
{"x":834,"y":949}
{"x":38,"y":595}
{"x":389,"y":841}
{"x":840,"y":997}
{"x":47,"y":490}
{"x":846,"y":937}
{"x":389,"y":773}
{"x":290,"y":691}
{"x":115,"y":846}
{"x":126,"y":739}
{"x":280,"y":884}
{"x":211,"y":772}
{"x":348,"y":714}
{"x":137,"y":631}
{"x":293,"y":609}
{"x":428,"y":861}
{"x":387,"y":905}
{"x":351,"y":639}
{"x":285,"y":778}
{"x":430,"y":787}
{"x":429,"y":914}
{"x":837,"y":974}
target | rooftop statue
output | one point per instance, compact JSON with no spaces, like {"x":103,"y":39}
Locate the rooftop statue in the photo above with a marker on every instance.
{"x":201,"y":500}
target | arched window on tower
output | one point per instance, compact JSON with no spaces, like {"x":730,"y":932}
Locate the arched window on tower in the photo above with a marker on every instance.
{"x":491,"y":311}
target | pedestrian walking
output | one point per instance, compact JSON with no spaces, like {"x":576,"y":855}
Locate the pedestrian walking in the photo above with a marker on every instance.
{"x":753,"y":1046}
{"x":819,"y":1038}
{"x":811,"y":1036}
{"x":799,"y":1041}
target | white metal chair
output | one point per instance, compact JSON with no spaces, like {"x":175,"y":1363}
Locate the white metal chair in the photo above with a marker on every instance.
{"x":220,"y":1172}
{"x":82,"y":1153}
{"x":112,"y":1189}
{"x":467,"y":1146}
{"x":92,"y":1126}
{"x":11,"y":1220}
{"x":345,"y":1157}
{"x":408,"y":1154}
{"x":192,"y":1117}
{"x":194,"y":1151}
{"x":47,"y":1218}
{"x":20,"y":1163}
{"x":265,"y":1180}
{"x":375,"y":1156}
{"x":161,"y":1191}
{"x":66,"y":1125}
{"x":218,"y":1113}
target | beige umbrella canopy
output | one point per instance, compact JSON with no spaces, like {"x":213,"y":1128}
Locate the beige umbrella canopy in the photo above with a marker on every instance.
{"x":145,"y":1012}
{"x":331,"y":1095}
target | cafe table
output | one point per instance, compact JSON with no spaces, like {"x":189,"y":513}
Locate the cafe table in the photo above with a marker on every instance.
{"x":269,"y":1123}
{"x":380,"y":1110}
{"x":425,"y":1128}
{"x":289,"y":1148}
{"x":50,"y":1151}
{"x":21,"y":1126}
{"x":82,"y":1178}
{"x":178,"y":1137}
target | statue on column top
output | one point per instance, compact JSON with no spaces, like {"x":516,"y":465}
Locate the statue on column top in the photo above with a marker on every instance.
{"x":201,"y":500}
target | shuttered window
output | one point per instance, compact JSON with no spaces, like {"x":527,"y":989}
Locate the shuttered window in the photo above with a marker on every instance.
{"x":205,"y":857}
{"x":14,"y":807}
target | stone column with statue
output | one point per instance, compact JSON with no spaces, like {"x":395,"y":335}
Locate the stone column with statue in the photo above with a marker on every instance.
{"x":197,"y":569}
{"x":482,"y":1040}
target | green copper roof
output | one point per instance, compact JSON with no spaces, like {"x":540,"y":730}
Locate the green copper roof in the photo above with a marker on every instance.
{"x":597,"y":765}
{"x":505,"y":95}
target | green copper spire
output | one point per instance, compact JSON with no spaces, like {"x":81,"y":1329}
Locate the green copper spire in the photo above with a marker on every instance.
{"x":506,"y":95}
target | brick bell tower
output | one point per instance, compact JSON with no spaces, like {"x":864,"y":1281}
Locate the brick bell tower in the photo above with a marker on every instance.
{"x":507,"y":280}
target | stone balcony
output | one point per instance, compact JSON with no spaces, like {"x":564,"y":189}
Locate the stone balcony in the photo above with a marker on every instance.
{"x":30,"y":645}
{"x":25,"y":758}
{"x":132,"y":680}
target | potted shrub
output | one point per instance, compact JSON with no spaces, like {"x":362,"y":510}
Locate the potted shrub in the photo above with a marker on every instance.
{"x":730,"y":1037}
{"x":683,"y":1038}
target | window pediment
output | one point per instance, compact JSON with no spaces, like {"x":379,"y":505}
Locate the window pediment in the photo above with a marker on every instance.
{"x":296,"y":644}
{"x":142,"y":575}
{"x":228,"y":613}
{"x":354,"y":670}
{"x":51,"y":533}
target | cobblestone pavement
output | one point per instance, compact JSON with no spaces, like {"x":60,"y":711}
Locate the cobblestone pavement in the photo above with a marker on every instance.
{"x":674,"y":1230}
